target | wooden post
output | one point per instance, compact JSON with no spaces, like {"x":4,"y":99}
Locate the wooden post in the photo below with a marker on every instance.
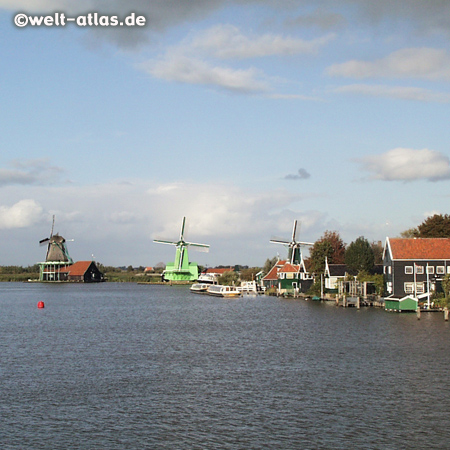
{"x":446,"y":314}
{"x":358,"y":302}
{"x":344,"y":302}
{"x":418,"y":313}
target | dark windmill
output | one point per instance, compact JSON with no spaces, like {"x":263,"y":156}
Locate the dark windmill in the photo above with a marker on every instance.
{"x":57,"y":257}
{"x":294,"y":247}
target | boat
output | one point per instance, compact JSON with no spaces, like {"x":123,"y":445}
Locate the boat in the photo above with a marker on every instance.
{"x":223,"y":291}
{"x":199,"y":288}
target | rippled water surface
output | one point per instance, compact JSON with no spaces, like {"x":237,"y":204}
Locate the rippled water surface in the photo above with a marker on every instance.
{"x":125,"y":366}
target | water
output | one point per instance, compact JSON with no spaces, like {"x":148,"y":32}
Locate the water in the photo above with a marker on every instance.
{"x":125,"y":366}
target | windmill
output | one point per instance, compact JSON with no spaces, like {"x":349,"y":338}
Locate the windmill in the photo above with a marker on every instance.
{"x":294,"y":247}
{"x":56,"y":258}
{"x":56,"y":248}
{"x":181,"y":269}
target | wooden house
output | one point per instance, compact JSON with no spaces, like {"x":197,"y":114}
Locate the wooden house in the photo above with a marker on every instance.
{"x":415,"y":267}
{"x":332,"y":275}
{"x":288,"y":278}
{"x":79,"y":272}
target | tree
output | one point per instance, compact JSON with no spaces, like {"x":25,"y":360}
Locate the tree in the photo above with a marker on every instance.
{"x":437,"y":226}
{"x":377,"y":248}
{"x":249,"y":274}
{"x":446,"y":289}
{"x":229,"y":278}
{"x":329,"y":246}
{"x":269,"y":264}
{"x":359,"y":256}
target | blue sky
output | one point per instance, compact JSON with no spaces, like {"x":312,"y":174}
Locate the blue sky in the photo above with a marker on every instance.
{"x":241,"y":116}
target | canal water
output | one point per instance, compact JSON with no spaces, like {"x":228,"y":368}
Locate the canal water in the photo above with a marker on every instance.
{"x":126,"y":366}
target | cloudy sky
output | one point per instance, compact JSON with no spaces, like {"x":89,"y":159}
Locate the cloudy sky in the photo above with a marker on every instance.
{"x":240,"y":115}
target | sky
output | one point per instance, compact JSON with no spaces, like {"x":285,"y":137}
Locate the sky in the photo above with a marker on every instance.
{"x":241,"y":116}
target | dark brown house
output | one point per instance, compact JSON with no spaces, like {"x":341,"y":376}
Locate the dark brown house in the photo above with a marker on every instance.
{"x":415,"y":266}
{"x":81,"y":272}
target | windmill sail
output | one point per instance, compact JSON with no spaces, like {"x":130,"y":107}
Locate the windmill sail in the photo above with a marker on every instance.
{"x":294,"y":246}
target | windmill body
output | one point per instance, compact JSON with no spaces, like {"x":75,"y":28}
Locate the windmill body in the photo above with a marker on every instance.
{"x":181,"y":270}
{"x":295,"y":255}
{"x":57,"y":257}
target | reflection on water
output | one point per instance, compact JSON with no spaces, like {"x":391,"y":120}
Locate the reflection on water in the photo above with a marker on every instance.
{"x":125,"y":366}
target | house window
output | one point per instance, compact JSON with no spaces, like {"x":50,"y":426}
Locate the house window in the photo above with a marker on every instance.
{"x":440,"y":270}
{"x":409,"y":288}
{"x":290,"y":276}
{"x":420,"y":288}
{"x":408,"y":269}
{"x":419,"y":270}
{"x":448,"y":269}
{"x":430,"y":269}
{"x":389,"y":270}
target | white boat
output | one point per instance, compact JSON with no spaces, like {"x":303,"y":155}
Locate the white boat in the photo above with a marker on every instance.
{"x":199,"y":288}
{"x":224,"y":291}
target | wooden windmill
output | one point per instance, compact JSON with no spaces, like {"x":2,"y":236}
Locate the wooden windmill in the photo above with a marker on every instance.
{"x":181,"y":269}
{"x":56,"y":258}
{"x":294,"y":247}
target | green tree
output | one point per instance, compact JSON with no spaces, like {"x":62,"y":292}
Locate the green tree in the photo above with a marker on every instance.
{"x":446,"y":289}
{"x":249,"y":274}
{"x":377,"y":249}
{"x":269,"y":264}
{"x":437,"y":226}
{"x":329,"y":246}
{"x":359,"y":256}
{"x":229,"y":278}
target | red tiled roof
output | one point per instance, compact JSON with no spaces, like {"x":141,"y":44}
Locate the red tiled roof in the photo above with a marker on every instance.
{"x":420,"y":248}
{"x":219,"y":271}
{"x":290,"y":268}
{"x":272,"y":275}
{"x":77,"y":269}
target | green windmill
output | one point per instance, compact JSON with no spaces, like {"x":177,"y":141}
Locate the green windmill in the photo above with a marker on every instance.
{"x":181,"y":269}
{"x":294,"y":247}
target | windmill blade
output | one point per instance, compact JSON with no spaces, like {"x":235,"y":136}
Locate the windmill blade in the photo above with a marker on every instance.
{"x":279,"y":241}
{"x":198,"y":247}
{"x":294,"y":231}
{"x":306,"y":243}
{"x":53,"y":226}
{"x":159,"y":241}
{"x":183,"y":223}
{"x":43,"y":241}
{"x":180,"y":262}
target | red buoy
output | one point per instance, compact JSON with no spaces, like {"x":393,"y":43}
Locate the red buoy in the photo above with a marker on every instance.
{"x":40,"y":304}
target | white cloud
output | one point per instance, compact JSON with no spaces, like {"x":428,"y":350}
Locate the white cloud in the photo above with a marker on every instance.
{"x":227,"y":41}
{"x":398,"y":92}
{"x":422,"y":63}
{"x":24,"y":213}
{"x":198,"y":59}
{"x":26,"y":172}
{"x":404,"y":164}
{"x":176,"y":67}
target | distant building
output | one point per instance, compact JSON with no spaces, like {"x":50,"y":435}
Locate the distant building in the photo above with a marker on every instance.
{"x":288,"y":278}
{"x":332,"y":275}
{"x":415,"y":266}
{"x":79,"y":272}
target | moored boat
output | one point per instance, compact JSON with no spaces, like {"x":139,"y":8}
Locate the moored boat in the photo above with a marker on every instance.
{"x":199,"y":288}
{"x":224,"y":291}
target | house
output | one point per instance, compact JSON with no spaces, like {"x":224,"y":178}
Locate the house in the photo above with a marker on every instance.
{"x":415,"y":266}
{"x":332,"y":275}
{"x":288,"y":278}
{"x":79,"y":272}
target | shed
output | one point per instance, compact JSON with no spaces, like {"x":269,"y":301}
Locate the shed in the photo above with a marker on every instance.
{"x":407,"y":303}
